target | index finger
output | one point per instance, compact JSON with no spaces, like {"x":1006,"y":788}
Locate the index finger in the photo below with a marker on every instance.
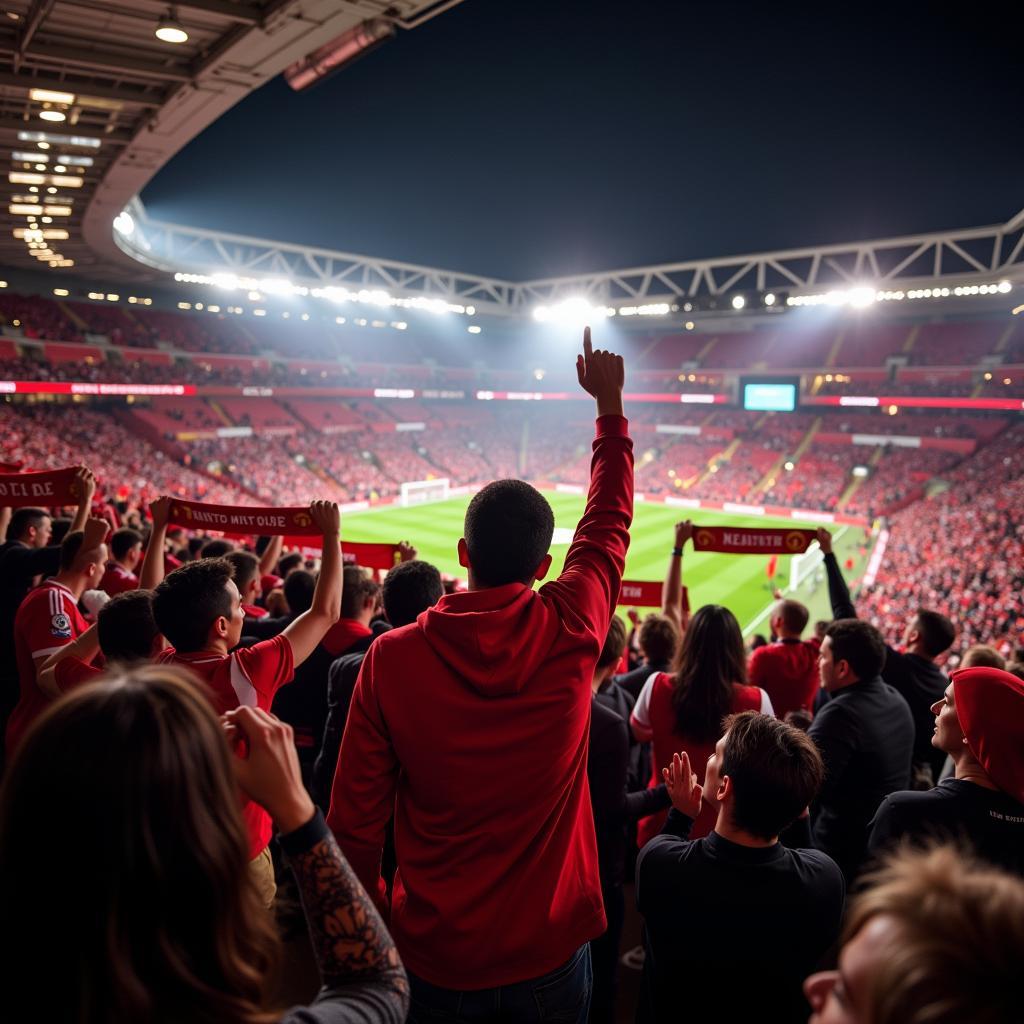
{"x":686,"y":766}
{"x":588,"y":348}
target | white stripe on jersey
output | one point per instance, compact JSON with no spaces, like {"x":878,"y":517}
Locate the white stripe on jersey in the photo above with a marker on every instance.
{"x":241,"y":684}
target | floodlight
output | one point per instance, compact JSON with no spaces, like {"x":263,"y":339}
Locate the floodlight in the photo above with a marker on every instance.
{"x":124,"y":223}
{"x":769,"y":299}
{"x":49,"y":114}
{"x":738,"y":302}
{"x":170,"y":30}
{"x":861,"y":297}
{"x":342,"y":50}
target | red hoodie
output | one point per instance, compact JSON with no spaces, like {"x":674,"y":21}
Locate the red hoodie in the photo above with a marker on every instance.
{"x":472,"y":725}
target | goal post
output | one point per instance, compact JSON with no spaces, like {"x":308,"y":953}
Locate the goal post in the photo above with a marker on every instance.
{"x":421,"y":492}
{"x":802,"y":566}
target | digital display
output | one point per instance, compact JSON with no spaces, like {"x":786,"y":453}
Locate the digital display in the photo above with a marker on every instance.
{"x":769,"y":396}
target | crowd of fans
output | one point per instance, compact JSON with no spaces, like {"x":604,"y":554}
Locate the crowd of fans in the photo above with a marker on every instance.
{"x":464,"y":788}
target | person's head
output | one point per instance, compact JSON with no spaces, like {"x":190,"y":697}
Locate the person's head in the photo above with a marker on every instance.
{"x":32,"y":526}
{"x":216,"y":548}
{"x":198,"y":607}
{"x":126,"y":628}
{"x":410,"y":588}
{"x":789,"y":619}
{"x":60,"y":527}
{"x":933,"y":939}
{"x":758,"y":640}
{"x":821,"y":628}
{"x":1016,"y":668}
{"x":507,"y":533}
{"x":799,"y":718}
{"x":982,"y":656}
{"x":158,"y":913}
{"x":246,"y":569}
{"x":929,"y":634}
{"x":289,"y":564}
{"x":298,"y":591}
{"x":712,"y":660}
{"x":659,"y":639}
{"x":852,"y":651}
{"x":360,"y":594}
{"x":980,"y":723}
{"x":82,"y":566}
{"x":126,"y":547}
{"x":611,"y":651}
{"x":763,"y":774}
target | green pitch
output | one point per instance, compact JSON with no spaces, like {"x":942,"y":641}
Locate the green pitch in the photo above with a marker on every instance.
{"x":738,"y":581}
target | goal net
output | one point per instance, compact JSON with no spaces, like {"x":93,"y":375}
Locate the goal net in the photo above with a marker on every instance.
{"x":802,"y":567}
{"x":420,"y":492}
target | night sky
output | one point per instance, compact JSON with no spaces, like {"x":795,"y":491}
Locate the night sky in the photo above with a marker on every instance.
{"x":540,"y":137}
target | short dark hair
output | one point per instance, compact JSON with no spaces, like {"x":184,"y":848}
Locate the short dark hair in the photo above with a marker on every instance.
{"x":776,"y":771}
{"x":126,"y":628}
{"x":614,"y":643}
{"x":820,"y":628}
{"x":298,"y":591}
{"x":659,"y":638}
{"x":245,"y":566}
{"x":217,"y":548}
{"x":190,"y":600}
{"x":70,"y":546}
{"x":23,"y":519}
{"x":937,"y":632}
{"x":794,"y":615}
{"x":123,"y":540}
{"x":287,"y":563}
{"x":357,"y":587}
{"x":410,"y":588}
{"x":508,"y":530}
{"x":859,"y":644}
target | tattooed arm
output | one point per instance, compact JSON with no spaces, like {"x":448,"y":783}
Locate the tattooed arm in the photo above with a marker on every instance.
{"x":363,"y":978}
{"x":361,"y":971}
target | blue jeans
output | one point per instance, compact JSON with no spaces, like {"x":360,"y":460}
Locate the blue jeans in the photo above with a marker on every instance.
{"x":559,"y":997}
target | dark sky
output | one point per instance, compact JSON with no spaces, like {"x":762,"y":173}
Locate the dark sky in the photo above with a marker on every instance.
{"x":541,"y":137}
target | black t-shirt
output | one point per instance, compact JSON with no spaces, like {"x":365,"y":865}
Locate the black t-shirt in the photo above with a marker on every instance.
{"x":866,"y":737}
{"x":736,"y":925}
{"x":986,"y":821}
{"x":920,"y":683}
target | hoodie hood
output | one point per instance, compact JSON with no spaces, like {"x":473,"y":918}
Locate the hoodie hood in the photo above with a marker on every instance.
{"x":495,"y":639}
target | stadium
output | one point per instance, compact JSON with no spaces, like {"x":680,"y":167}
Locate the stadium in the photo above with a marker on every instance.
{"x":871,"y":387}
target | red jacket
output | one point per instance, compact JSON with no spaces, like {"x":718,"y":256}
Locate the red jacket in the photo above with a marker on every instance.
{"x":472,"y":725}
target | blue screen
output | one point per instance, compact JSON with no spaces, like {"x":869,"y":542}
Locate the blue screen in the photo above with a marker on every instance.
{"x":770,"y":397}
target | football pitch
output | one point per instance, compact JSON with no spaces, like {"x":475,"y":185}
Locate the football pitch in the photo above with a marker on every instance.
{"x":738,"y":581}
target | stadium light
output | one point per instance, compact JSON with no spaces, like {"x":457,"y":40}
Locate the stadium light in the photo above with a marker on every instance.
{"x":576,"y":311}
{"x":338,"y":52}
{"x":473,"y":328}
{"x":860,"y":471}
{"x":50,"y":96}
{"x":738,"y":302}
{"x":124,"y":224}
{"x":769,"y":299}
{"x":861,"y":297}
{"x":169,"y":29}
{"x":50,"y":114}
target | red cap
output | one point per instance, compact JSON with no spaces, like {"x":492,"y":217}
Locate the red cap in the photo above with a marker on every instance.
{"x":268,"y":582}
{"x":990,"y":706}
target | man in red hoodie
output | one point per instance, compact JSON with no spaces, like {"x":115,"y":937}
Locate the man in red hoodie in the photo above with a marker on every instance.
{"x":787,"y":670}
{"x":471,"y":726}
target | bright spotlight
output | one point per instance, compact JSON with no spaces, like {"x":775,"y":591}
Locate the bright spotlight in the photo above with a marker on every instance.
{"x":226,"y":281}
{"x":124,"y":223}
{"x":576,"y":311}
{"x":769,"y":299}
{"x":1005,"y":286}
{"x":789,"y":467}
{"x":861,"y":297}
{"x":738,"y":302}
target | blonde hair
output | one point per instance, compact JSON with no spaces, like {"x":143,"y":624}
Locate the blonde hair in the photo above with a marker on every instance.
{"x":961,"y":927}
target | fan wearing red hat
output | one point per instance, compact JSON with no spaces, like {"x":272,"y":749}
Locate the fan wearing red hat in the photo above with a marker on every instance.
{"x":980,"y":724}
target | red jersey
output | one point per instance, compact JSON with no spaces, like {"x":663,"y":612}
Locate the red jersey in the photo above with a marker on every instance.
{"x":787,"y":671}
{"x":116,"y":580}
{"x":342,"y":635}
{"x":655,"y":715}
{"x":249,"y":676}
{"x":254,"y":611}
{"x":72,"y":672}
{"x":47,"y":619}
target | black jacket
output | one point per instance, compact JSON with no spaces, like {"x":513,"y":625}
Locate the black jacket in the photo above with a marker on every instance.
{"x":866,"y":737}
{"x":919,"y":681}
{"x":614,"y":807}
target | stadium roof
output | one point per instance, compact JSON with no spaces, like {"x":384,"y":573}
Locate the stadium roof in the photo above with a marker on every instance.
{"x":117,"y":102}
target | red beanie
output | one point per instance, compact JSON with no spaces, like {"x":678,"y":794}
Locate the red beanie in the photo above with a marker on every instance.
{"x":990,"y":706}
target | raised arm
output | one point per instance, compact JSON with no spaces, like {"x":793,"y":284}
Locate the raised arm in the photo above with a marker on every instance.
{"x":86,"y":489}
{"x":152,"y":571}
{"x":84,"y":647}
{"x":271,"y":556}
{"x":588,"y":587}
{"x":838,"y":592}
{"x":358,"y":962}
{"x":305,"y":632}
{"x":672,"y":590}
{"x":5,"y":520}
